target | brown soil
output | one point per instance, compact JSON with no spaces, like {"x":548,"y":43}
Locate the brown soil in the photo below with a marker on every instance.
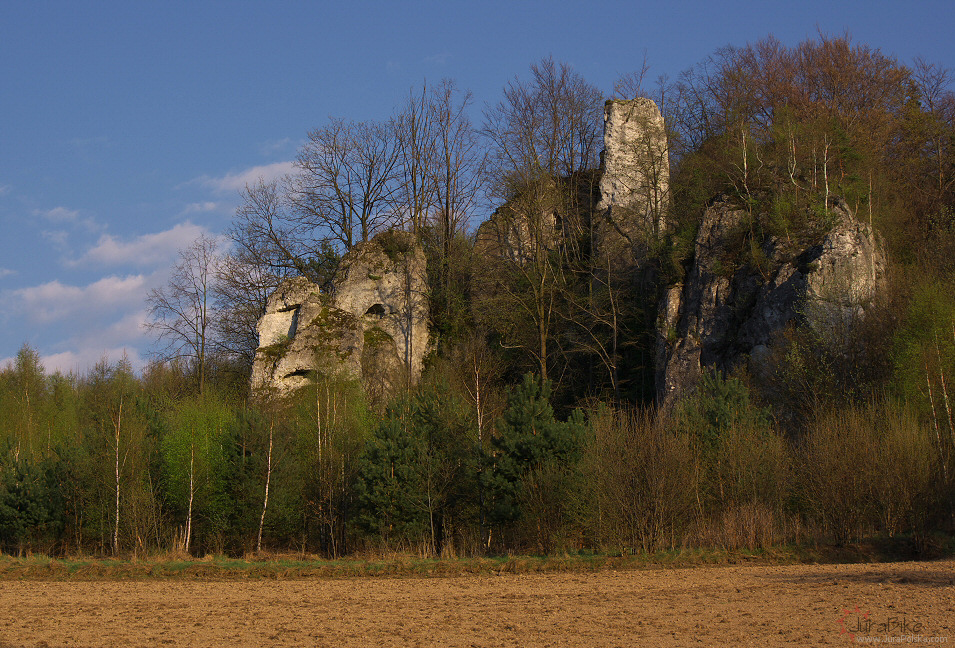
{"x":743,"y":605}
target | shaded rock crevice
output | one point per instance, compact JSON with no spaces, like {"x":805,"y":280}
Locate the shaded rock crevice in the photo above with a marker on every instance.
{"x":722,"y":317}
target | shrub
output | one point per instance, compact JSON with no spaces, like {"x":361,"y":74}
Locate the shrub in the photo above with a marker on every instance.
{"x":642,"y":482}
{"x":871,"y":468}
{"x":743,"y":463}
{"x":533,"y":468}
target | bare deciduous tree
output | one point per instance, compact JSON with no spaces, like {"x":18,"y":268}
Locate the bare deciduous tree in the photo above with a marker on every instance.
{"x":346,"y":182}
{"x":630,"y":85}
{"x":415,"y":178}
{"x":542,"y":135}
{"x":242,"y":289}
{"x":267,"y":232}
{"x":549,"y":126}
{"x":181,"y":312}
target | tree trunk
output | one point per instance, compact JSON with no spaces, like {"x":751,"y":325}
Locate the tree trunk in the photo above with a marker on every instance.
{"x":192,"y":492}
{"x":268,"y":480}
{"x":118,"y":427}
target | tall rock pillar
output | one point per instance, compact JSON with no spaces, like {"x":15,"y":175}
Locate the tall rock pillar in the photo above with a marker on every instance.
{"x":635,"y":186}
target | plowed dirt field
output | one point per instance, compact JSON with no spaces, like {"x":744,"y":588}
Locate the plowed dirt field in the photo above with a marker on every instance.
{"x":734,"y":605}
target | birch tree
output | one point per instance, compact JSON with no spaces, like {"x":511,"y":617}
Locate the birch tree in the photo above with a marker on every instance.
{"x":182,"y":312}
{"x":193,"y":457}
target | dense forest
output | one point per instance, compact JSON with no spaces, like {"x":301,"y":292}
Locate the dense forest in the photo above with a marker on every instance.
{"x":534,"y":426}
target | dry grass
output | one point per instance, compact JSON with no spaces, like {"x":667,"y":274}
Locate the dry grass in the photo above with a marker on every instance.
{"x":394,"y":565}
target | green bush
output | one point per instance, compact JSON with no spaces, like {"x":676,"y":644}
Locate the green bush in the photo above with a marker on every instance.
{"x":743,"y":463}
{"x":32,"y":508}
{"x":417,"y":475}
{"x":533,"y":466}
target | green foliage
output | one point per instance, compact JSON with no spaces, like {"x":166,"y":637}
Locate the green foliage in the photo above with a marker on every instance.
{"x":332,"y":423}
{"x":376,"y":336}
{"x":242,"y":481}
{"x":925,"y":345}
{"x":741,"y":459}
{"x":417,"y":474}
{"x":32,"y":508}
{"x":395,"y":244}
{"x":719,"y":405}
{"x":533,"y":465}
{"x":390,"y":486}
{"x":322,"y":266}
{"x":449,"y":286}
{"x":194,"y":456}
{"x":113,"y":423}
{"x":277,"y":349}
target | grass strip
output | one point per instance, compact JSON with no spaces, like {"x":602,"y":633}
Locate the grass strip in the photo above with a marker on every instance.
{"x":284,"y":566}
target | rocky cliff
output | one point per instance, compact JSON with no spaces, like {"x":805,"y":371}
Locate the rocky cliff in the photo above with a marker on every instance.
{"x":634,"y":187}
{"x":634,"y":182}
{"x":727,"y":313}
{"x":371,"y":325}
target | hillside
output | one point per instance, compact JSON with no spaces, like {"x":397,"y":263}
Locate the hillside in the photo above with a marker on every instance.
{"x":723,"y":316}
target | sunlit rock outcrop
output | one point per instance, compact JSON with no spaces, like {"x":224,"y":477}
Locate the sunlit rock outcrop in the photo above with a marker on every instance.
{"x":634,"y":187}
{"x":371,"y":325}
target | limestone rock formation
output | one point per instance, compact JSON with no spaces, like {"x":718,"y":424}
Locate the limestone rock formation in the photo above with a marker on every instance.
{"x":722,"y":316}
{"x":634,"y":188}
{"x":519,"y":230}
{"x":634,"y":194}
{"x":372,"y":324}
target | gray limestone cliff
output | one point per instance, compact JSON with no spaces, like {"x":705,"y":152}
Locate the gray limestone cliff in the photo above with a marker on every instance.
{"x":723,"y":316}
{"x":634,"y":187}
{"x":372,"y":324}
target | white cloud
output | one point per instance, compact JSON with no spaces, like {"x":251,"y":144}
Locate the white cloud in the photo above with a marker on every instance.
{"x":58,"y":238}
{"x":63,"y":216}
{"x":275,"y":147}
{"x":104,"y":318}
{"x":4,"y":190}
{"x":75,"y":324}
{"x":6,"y":272}
{"x":58,"y":214}
{"x":199,"y":207}
{"x":81,"y":361}
{"x":145,"y":250}
{"x":55,"y":301}
{"x":84,"y":324}
{"x":125,"y":336}
{"x":237,"y":181}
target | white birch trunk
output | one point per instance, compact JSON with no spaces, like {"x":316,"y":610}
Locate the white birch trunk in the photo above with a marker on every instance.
{"x":118,"y":427}
{"x":192,"y":493}
{"x":265,"y":501}
{"x":825,"y":173}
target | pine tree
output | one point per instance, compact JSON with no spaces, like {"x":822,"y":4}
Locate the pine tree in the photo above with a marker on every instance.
{"x":389,"y":482}
{"x":530,"y":440}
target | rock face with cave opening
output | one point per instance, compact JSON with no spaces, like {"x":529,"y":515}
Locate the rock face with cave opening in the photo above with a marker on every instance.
{"x":372,"y":325}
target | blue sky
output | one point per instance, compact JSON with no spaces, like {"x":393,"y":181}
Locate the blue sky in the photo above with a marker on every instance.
{"x":128,"y":128}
